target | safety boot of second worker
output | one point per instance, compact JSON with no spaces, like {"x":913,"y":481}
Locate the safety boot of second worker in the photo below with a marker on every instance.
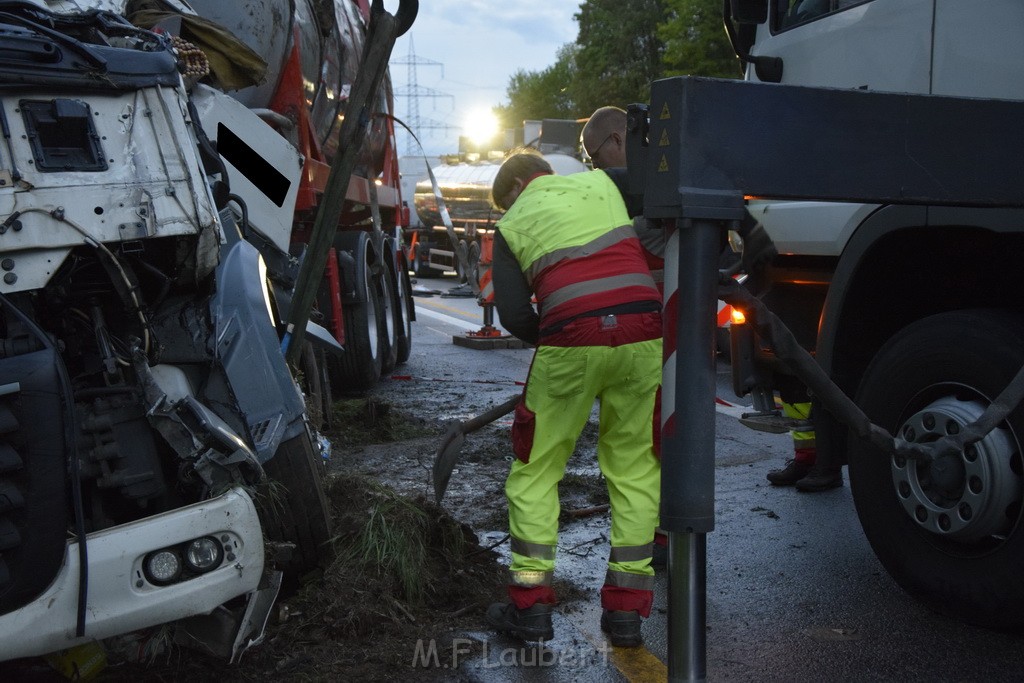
{"x":532,"y":623}
{"x":794,"y":471}
{"x":623,"y":628}
{"x":821,"y":478}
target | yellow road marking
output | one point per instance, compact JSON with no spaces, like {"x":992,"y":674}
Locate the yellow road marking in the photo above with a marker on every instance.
{"x":637,"y":664}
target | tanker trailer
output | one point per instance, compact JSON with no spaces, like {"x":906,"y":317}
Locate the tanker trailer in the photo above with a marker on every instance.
{"x":313,"y":50}
{"x":465,"y":189}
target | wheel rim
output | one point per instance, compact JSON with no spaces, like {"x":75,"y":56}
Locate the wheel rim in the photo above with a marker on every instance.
{"x":371,"y":313}
{"x":403,"y":298}
{"x":971,"y":496}
{"x":387,"y":301}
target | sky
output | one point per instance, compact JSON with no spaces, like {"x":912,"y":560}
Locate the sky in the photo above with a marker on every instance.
{"x":465,"y":52}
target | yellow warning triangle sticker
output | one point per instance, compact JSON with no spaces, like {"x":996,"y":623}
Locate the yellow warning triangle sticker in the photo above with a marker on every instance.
{"x":664,"y":139}
{"x":664,"y":112}
{"x":663,"y":166}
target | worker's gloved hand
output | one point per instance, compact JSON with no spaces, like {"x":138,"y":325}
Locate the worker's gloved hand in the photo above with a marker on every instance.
{"x":758,"y":248}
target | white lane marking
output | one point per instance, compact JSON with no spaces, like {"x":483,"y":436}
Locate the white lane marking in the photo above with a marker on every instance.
{"x":733,"y":410}
{"x":451,"y":320}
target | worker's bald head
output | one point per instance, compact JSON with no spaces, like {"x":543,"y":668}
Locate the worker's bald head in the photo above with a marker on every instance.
{"x":604,"y":137}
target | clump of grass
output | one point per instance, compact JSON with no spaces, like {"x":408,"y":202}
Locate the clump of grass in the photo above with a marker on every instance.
{"x":397,"y":540}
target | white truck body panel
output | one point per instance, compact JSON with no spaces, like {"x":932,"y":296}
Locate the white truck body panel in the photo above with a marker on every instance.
{"x":803,"y":221}
{"x":120,"y":598}
{"x":886,"y":45}
{"x":153,"y":186}
{"x":274,"y":220}
{"x":978,"y":51}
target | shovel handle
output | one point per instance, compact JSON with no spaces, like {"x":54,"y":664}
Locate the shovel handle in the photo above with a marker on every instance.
{"x":486,"y":418}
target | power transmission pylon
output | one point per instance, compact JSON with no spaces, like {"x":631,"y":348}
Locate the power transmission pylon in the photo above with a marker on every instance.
{"x":414,"y":92}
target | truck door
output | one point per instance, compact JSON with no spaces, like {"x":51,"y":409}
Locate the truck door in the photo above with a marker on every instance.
{"x":868,"y":44}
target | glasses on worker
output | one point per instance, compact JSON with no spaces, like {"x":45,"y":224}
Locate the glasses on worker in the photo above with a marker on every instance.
{"x":593,"y":156}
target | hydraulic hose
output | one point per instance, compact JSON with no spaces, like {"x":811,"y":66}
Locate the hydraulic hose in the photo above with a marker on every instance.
{"x":797,"y":359}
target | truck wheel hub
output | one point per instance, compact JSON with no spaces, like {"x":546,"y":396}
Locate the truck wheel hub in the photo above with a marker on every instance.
{"x":968,"y":496}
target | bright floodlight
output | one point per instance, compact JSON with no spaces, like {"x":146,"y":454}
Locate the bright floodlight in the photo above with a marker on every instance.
{"x":481,"y":126}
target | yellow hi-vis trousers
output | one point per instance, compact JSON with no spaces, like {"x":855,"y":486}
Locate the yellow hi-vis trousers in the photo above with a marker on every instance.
{"x":803,"y":441}
{"x":560,"y":391}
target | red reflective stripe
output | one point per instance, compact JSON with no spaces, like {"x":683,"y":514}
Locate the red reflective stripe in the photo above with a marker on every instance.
{"x":621,"y":259}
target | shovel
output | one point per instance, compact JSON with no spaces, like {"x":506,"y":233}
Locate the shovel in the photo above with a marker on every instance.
{"x":451,"y":446}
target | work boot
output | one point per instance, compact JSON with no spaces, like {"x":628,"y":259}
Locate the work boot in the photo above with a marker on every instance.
{"x":623,"y":628}
{"x":821,"y":478}
{"x":794,"y":471}
{"x":532,"y":623}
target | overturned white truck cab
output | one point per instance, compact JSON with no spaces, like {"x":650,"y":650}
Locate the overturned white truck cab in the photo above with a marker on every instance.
{"x":144,"y":396}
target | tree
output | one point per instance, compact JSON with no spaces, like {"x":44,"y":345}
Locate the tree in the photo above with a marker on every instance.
{"x":619,"y":52}
{"x":695,"y":40}
{"x":541,"y":94}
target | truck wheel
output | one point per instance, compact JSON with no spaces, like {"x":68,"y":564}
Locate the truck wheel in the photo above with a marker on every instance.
{"x":421,"y":261}
{"x":949,"y":532}
{"x":405,"y":310}
{"x":299,"y":514}
{"x":358,"y":368}
{"x":315,"y":386}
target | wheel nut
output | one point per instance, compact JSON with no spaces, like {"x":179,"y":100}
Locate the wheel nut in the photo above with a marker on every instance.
{"x":921,"y":514}
{"x":975,"y":485}
{"x":965,"y":511}
{"x":929,"y":421}
{"x":944,"y":522}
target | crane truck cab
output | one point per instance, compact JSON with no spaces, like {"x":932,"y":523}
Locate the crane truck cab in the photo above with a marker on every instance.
{"x":913,"y":310}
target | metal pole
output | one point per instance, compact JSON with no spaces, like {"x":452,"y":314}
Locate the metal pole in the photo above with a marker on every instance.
{"x":688,"y":443}
{"x":687,"y":606}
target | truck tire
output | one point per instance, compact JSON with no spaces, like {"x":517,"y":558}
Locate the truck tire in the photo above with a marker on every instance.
{"x":405,"y":308}
{"x":949,"y":532}
{"x":299,"y":514}
{"x":359,"y":367}
{"x":421,"y":260}
{"x":316,"y":387}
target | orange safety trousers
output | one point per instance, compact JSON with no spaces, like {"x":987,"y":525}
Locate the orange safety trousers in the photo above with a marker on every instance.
{"x":559,"y":398}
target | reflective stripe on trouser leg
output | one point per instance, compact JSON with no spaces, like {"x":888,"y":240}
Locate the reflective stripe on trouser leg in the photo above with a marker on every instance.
{"x":803,"y":441}
{"x":525,"y":554}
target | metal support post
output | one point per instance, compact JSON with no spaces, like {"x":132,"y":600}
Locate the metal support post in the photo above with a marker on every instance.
{"x":688,"y":441}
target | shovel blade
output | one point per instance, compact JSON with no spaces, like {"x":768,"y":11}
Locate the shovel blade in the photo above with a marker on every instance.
{"x":444,"y":461}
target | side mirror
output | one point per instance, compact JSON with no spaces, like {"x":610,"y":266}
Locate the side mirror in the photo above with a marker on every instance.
{"x":749,"y":11}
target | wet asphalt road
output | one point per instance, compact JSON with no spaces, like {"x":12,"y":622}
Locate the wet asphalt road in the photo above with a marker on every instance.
{"x":794,"y":592}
